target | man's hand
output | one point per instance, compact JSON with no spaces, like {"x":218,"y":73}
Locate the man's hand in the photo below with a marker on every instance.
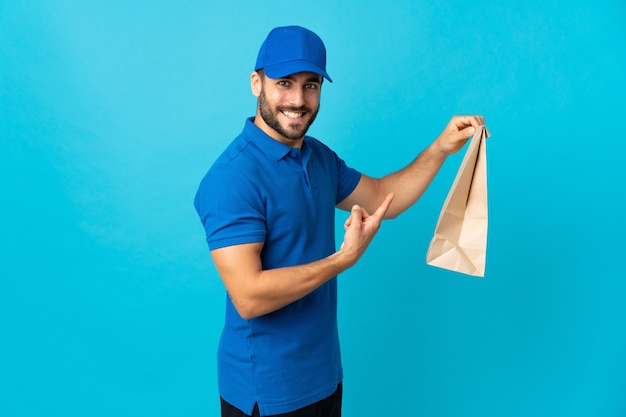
{"x":459,"y":129}
{"x":360,"y":229}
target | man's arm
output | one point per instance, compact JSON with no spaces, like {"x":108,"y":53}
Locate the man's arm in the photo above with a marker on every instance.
{"x":255,"y":291}
{"x":409,"y":183}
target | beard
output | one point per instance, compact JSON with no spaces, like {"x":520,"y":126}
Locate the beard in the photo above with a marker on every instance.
{"x":293,"y":131}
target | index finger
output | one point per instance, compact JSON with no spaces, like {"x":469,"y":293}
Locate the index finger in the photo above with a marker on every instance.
{"x":384,"y":206}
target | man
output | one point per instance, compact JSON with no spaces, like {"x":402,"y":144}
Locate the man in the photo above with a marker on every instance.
{"x":268,"y":206}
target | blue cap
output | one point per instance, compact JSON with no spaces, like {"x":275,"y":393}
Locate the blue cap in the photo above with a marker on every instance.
{"x":291,"y":49}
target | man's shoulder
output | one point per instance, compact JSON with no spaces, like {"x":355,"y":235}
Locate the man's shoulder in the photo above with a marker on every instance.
{"x":232,"y":172}
{"x":233,"y":150}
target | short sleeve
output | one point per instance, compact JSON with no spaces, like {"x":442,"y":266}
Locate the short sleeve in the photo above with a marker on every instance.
{"x":230,"y":208}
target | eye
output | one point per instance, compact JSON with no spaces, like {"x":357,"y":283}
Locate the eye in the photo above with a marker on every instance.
{"x":283,"y":83}
{"x":311,"y":86}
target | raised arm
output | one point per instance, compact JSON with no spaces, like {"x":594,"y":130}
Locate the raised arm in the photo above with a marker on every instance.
{"x":255,"y":291}
{"x":409,"y":183}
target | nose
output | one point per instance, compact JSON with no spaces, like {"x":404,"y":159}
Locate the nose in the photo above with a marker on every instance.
{"x":296,"y":97}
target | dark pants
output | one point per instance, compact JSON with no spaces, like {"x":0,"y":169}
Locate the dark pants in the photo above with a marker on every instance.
{"x":328,"y":407}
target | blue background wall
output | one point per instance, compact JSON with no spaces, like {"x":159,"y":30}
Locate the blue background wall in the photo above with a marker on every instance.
{"x":111,"y":112}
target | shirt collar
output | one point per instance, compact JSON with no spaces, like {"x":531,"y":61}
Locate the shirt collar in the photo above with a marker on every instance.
{"x":271,"y":147}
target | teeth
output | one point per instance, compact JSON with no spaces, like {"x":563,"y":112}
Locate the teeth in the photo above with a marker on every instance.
{"x":292,"y":115}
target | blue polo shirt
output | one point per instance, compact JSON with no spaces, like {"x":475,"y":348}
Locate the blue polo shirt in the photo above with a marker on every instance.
{"x":260,"y":190}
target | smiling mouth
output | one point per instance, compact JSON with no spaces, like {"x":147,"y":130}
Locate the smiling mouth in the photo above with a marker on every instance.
{"x":292,"y":114}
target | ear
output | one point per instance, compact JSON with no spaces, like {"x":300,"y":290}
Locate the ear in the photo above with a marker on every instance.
{"x":255,"y":83}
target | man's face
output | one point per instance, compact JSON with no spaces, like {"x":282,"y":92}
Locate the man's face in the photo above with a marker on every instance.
{"x":288,"y":105}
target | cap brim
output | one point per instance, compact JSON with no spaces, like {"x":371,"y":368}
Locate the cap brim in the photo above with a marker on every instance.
{"x":292,"y":67}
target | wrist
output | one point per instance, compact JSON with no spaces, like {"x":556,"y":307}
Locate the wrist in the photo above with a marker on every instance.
{"x":437,"y":151}
{"x":344,"y":258}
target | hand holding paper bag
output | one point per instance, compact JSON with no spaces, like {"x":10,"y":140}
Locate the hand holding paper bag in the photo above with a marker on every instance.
{"x":460,"y":241}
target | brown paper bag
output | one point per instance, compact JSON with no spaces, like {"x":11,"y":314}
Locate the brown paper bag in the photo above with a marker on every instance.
{"x":460,"y":241}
